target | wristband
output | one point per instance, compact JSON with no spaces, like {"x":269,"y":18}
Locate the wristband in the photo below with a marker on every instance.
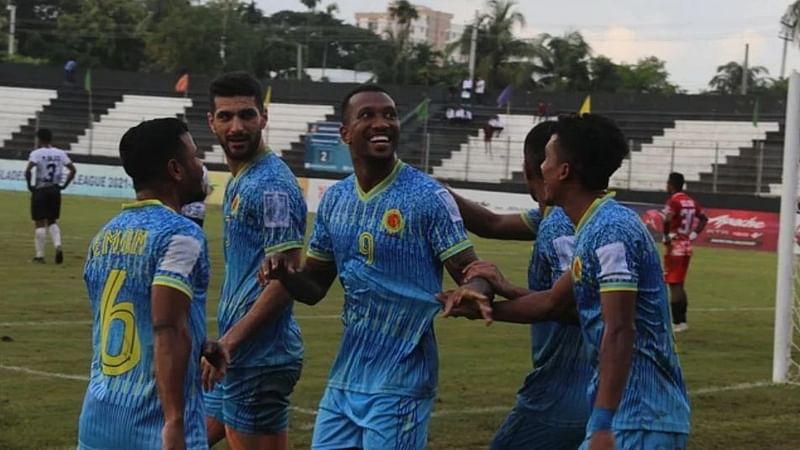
{"x":600,"y":420}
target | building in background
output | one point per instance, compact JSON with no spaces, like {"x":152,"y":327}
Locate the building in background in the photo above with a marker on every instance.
{"x":432,"y":27}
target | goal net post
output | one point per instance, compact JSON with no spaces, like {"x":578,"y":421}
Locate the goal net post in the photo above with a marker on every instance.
{"x":786,"y":353}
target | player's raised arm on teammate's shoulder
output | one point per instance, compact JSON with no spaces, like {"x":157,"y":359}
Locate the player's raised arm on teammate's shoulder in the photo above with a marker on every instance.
{"x":172,"y":347}
{"x":487,"y":224}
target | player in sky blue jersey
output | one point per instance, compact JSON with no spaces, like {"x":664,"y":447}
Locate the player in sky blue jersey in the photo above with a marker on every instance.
{"x":552,"y":407}
{"x":146,"y":274}
{"x":264,"y":215}
{"x":637,"y":392}
{"x":387,"y":231}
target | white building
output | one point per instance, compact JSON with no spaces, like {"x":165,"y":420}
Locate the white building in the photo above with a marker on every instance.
{"x":433,"y":27}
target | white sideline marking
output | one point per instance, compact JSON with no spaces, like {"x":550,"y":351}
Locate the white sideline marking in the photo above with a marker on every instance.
{"x":444,"y":413}
{"x":46,"y":323}
{"x":733,"y":309}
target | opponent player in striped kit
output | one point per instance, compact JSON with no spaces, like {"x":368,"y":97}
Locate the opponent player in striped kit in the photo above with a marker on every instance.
{"x":146,"y":274}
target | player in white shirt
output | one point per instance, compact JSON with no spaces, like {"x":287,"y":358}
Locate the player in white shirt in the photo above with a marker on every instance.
{"x":196,"y":211}
{"x":49,"y":162}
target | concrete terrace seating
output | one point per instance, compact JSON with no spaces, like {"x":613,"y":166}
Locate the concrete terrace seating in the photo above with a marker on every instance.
{"x":133,"y":109}
{"x":698,"y":146}
{"x":20,"y":105}
{"x":473,"y":163}
{"x":286,"y":123}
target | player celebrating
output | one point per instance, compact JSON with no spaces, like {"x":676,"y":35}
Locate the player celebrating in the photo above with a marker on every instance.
{"x":387,"y":231}
{"x":46,"y":193}
{"x":680,"y":229}
{"x":551,"y":409}
{"x":147,"y":274}
{"x":265,"y":215}
{"x":638,"y":395}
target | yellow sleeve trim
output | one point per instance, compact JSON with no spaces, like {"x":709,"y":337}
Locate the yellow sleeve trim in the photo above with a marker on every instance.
{"x":162,"y":280}
{"x":619,"y":287}
{"x":527,"y":220}
{"x":454,"y":250}
{"x":319,"y":255}
{"x":283,"y":247}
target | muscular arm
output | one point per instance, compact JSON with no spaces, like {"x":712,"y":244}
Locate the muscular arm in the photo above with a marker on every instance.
{"x":29,"y":175}
{"x":616,"y":347}
{"x":310,"y":285}
{"x":172,"y":347}
{"x":487,"y":224}
{"x":71,"y":176}
{"x":455,"y":266}
{"x":556,"y":303}
{"x":272,"y":301}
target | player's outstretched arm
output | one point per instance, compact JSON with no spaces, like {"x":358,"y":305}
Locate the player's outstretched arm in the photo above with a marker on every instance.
{"x":172,"y":347}
{"x":486,"y":224}
{"x":476,"y":289}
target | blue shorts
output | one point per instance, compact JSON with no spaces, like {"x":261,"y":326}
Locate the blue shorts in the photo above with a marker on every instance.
{"x":371,"y":421}
{"x":530,"y":430}
{"x":254,"y":400}
{"x":645,"y":440}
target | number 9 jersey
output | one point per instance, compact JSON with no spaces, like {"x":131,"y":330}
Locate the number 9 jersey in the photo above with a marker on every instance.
{"x":147,"y":244}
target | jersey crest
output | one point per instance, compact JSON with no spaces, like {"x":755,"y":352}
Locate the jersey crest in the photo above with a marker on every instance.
{"x":393,"y":221}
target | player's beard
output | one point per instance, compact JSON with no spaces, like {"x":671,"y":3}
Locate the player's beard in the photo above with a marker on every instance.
{"x":252,"y":144}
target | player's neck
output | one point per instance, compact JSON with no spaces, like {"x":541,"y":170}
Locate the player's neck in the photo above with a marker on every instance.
{"x":370,"y":173}
{"x":579,"y":202}
{"x":237,"y":165}
{"x":168,"y":198}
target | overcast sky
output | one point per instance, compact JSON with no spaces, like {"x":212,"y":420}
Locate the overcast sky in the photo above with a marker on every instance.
{"x":692,"y":36}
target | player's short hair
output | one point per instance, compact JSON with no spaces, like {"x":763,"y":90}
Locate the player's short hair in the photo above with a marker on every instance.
{"x":146,"y":148}
{"x":236,"y":84}
{"x":676,"y":180}
{"x":593,"y":145}
{"x":44,"y":135}
{"x":535,"y":142}
{"x":359,"y":89}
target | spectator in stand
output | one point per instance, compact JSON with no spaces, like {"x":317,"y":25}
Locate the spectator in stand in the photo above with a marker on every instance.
{"x":69,"y":71}
{"x":480,"y":90}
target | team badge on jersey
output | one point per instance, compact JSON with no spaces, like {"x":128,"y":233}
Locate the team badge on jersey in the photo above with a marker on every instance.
{"x":577,"y":269}
{"x":235,"y":204}
{"x":276,"y":210}
{"x":393,"y":221}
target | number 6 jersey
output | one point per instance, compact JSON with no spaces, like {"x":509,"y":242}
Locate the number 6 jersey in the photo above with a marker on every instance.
{"x":147,"y":244}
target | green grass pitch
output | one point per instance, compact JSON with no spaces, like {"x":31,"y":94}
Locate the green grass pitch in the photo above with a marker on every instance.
{"x":726,"y":355}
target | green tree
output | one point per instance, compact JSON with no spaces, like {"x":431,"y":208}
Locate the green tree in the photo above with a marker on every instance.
{"x":104,"y":33}
{"x":728,"y":79}
{"x":605,"y":75}
{"x":404,"y":14}
{"x":310,"y":4}
{"x":648,"y":75}
{"x":186,"y":39}
{"x":562,"y":62}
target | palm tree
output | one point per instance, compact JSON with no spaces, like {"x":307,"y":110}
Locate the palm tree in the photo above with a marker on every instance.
{"x":728,"y":79}
{"x":496,"y":44}
{"x":310,"y":4}
{"x":404,"y":13}
{"x":562,"y":63}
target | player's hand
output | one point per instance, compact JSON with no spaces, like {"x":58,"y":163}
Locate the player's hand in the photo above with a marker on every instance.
{"x":489,"y":272}
{"x":460,"y":298}
{"x":273,"y":266}
{"x":214,"y":363}
{"x":602,"y":440}
{"x":692,"y":235}
{"x":172,"y":437}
